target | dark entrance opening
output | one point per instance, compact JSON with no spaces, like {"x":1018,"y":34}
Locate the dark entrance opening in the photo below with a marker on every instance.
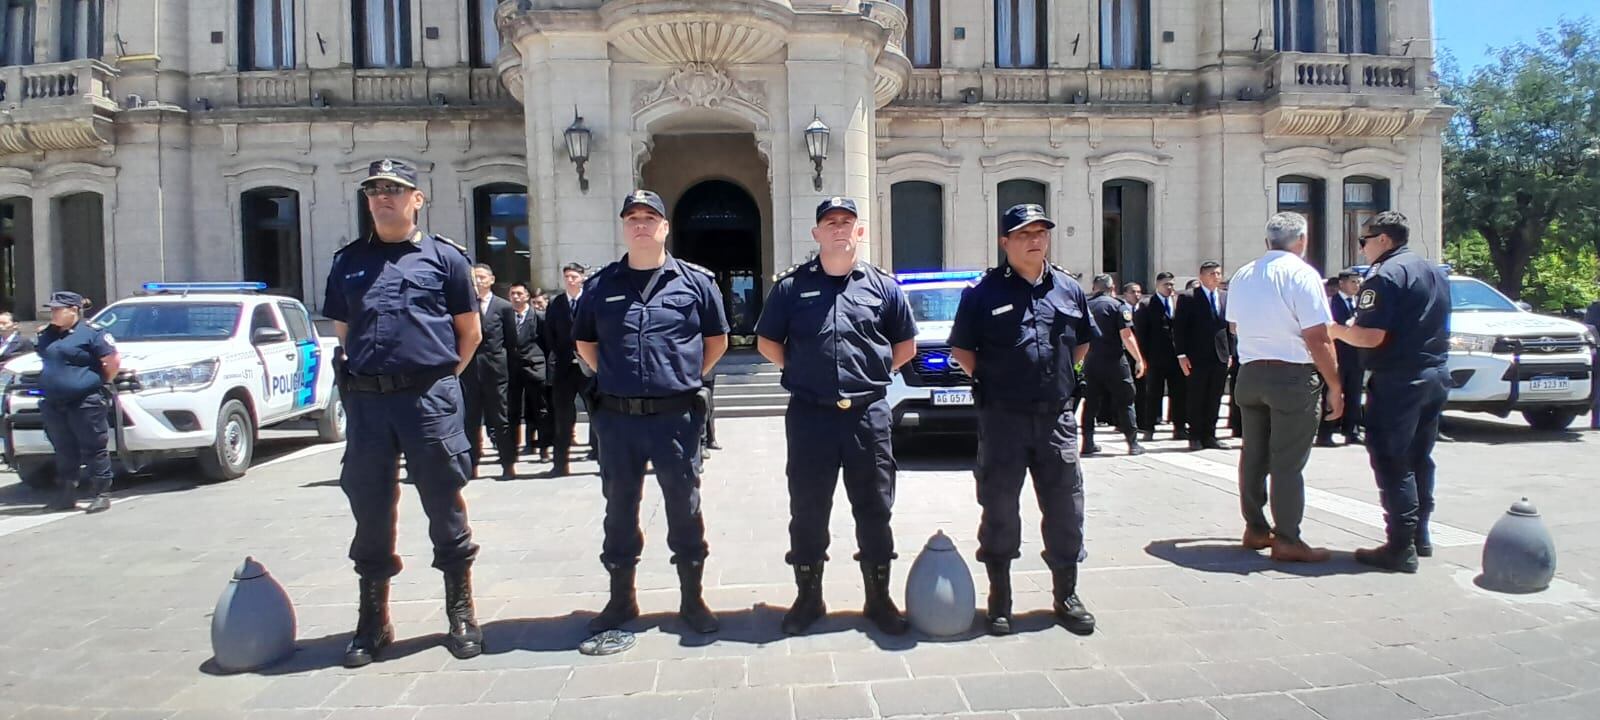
{"x":717,"y":224}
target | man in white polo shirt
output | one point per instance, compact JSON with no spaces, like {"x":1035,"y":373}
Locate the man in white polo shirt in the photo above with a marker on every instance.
{"x":1280,"y":315}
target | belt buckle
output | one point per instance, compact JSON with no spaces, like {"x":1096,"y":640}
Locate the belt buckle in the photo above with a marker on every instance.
{"x":843,"y":404}
{"x":635,"y":406}
{"x":385,"y":383}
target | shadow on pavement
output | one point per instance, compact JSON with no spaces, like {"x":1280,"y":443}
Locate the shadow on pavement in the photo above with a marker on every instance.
{"x":1492,"y":432}
{"x":1225,"y":555}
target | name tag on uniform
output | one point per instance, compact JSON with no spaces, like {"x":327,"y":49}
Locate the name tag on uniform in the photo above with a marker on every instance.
{"x":615,"y":298}
{"x":1001,"y":309}
{"x":811,"y":294}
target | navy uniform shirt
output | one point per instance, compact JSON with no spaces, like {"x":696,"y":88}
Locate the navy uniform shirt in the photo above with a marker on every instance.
{"x":1110,"y":315}
{"x":1408,"y":297}
{"x":72,"y":361}
{"x":837,"y":333}
{"x":400,"y":301}
{"x":650,"y":346}
{"x":1024,"y":335}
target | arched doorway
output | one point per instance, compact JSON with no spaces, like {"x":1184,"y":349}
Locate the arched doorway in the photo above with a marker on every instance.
{"x":80,"y":245}
{"x":717,"y":224}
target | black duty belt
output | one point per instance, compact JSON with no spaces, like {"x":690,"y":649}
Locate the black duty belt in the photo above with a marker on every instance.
{"x":647,"y":405}
{"x":385,"y":384}
{"x":837,"y":403}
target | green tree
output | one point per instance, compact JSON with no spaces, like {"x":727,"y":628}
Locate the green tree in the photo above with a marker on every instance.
{"x":1523,"y":151}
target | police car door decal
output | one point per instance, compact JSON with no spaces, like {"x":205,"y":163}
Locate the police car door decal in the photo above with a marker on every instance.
{"x":307,"y":354}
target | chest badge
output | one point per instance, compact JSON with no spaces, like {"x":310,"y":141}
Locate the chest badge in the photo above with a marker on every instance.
{"x":843,"y":404}
{"x":1002,"y":309}
{"x":811,"y":294}
{"x":355,"y":275}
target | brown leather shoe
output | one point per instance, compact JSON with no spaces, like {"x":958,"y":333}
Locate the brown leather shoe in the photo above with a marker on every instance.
{"x":1257,"y":540}
{"x":1297,"y":551}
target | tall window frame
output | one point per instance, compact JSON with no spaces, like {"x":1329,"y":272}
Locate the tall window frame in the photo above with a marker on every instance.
{"x":1021,"y":33}
{"x":1125,"y":34}
{"x":483,"y":41}
{"x":82,"y":29}
{"x":270,"y":240}
{"x":266,"y":35}
{"x":501,"y":231}
{"x":1364,"y":197}
{"x":1294,"y":24}
{"x":1307,"y":195}
{"x":917,"y":225}
{"x":1358,"y":27}
{"x":382,"y":34}
{"x":924,"y":33}
{"x":16,"y":32}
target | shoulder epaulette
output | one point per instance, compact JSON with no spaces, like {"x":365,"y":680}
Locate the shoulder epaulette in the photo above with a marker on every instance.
{"x":787,"y":273}
{"x":451,"y":243}
{"x":349,"y":245}
{"x":880,"y":270}
{"x":698,"y":268}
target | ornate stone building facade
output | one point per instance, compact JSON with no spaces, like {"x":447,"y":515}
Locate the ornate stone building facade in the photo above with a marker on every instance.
{"x":222,"y":139}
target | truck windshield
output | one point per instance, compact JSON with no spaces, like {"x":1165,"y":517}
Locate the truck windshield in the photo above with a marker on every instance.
{"x":1467,"y":295}
{"x":146,"y":322}
{"x":934,"y":304}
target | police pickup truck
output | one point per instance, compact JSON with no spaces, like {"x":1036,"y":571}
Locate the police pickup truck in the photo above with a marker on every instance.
{"x":930,"y":394}
{"x":205,"y":366}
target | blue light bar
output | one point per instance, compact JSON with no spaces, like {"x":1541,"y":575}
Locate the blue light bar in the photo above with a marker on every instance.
{"x":939,"y":276}
{"x":185,"y":287}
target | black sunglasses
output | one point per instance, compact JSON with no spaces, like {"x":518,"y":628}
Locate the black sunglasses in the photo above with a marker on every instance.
{"x":376,"y":190}
{"x":1364,"y":238}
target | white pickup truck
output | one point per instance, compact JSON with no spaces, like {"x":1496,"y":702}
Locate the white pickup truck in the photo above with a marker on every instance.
{"x":205,"y":367}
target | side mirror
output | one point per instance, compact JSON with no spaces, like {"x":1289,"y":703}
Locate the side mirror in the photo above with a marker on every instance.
{"x":1525,"y":306}
{"x":268,"y":336}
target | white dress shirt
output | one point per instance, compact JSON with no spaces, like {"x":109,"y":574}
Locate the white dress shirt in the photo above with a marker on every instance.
{"x":1272,"y":300}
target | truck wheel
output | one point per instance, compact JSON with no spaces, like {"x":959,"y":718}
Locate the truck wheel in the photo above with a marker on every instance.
{"x":230,"y":456}
{"x":330,"y":426}
{"x":1549,"y":420}
{"x":37,"y":473}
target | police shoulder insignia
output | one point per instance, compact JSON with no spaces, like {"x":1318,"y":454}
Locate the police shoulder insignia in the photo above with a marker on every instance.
{"x":451,"y":243}
{"x":1127,"y":313}
{"x":1368,"y":299}
{"x":348,"y":245}
{"x":787,"y":273}
{"x":109,"y":339}
{"x":698,"y":268}
{"x":880,"y":270}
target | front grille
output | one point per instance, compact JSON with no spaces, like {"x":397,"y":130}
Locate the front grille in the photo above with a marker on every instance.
{"x":1543,"y":345}
{"x":933,"y":367}
{"x":1529,"y":371}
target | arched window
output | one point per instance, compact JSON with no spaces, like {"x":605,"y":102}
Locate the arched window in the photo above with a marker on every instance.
{"x":501,"y":235}
{"x":923,"y":36}
{"x":1358,"y":27}
{"x":1364,"y":198}
{"x":270,"y":222}
{"x":16,"y":32}
{"x":1125,"y":231}
{"x":82,"y":28}
{"x":1304,"y":195}
{"x":1020,"y":33}
{"x":266,"y":35}
{"x":916,"y":227}
{"x":1295,"y":25}
{"x":1125,"y":34}
{"x":382,"y":33}
{"x":81,"y":245}
{"x":484,"y":38}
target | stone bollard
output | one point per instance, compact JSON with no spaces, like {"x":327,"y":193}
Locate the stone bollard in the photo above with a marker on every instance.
{"x":940,"y":599}
{"x":253,"y":625}
{"x":1519,"y":556}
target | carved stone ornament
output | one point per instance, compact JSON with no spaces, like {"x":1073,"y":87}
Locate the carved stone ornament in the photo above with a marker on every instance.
{"x":700,"y":85}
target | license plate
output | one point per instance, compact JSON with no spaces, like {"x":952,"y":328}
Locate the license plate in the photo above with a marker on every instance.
{"x":1547,"y":383}
{"x":952,"y":397}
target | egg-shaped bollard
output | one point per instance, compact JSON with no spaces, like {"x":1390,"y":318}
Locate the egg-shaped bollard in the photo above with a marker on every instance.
{"x":253,"y":625}
{"x":940,"y":599}
{"x":1519,"y":556}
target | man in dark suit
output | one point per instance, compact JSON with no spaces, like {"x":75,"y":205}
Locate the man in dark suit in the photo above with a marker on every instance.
{"x":526,"y":402}
{"x":1152,"y":326}
{"x":1205,"y":350}
{"x":1343,"y":306}
{"x":566,"y":377}
{"x":486,"y":381}
{"x":12,"y":342}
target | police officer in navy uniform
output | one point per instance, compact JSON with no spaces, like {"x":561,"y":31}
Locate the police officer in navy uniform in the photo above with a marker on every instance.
{"x":1108,"y":380}
{"x":1403,"y":322}
{"x":652,"y":327}
{"x":78,"y":360}
{"x":838,"y":328}
{"x":403,"y":307}
{"x":1019,"y":332}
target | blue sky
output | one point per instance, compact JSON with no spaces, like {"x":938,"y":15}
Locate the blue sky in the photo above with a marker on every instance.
{"x":1468,"y":28}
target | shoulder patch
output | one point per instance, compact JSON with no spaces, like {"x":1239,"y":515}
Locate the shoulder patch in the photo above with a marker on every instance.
{"x":451,"y":243}
{"x":1368,"y":300}
{"x":697,"y":268}
{"x":109,"y":340}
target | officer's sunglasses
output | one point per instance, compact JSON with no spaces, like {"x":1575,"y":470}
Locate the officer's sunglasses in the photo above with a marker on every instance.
{"x":384,"y":189}
{"x":1362,"y":242}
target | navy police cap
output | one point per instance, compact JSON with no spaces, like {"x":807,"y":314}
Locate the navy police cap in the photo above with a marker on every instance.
{"x":392,"y":170}
{"x":65,"y":299}
{"x":836,"y":203}
{"x":645,"y":198}
{"x":1024,"y":214}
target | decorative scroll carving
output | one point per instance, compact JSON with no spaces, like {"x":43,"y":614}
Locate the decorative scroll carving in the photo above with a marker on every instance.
{"x":700,"y":84}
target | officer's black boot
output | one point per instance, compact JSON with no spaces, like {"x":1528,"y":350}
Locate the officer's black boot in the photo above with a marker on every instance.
{"x":692,"y":605}
{"x":999,"y":597}
{"x":373,"y":630}
{"x":1068,"y":608}
{"x":1424,"y":541}
{"x":880,"y":607}
{"x":622,"y":607}
{"x":466,"y":638}
{"x":1134,"y":448}
{"x":808,"y":606}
